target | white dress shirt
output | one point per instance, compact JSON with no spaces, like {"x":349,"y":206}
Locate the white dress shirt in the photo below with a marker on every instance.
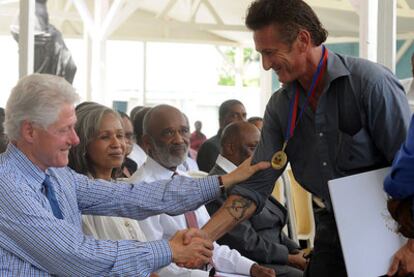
{"x":165,"y":226}
{"x":225,"y":164}
{"x":188,"y":165}
{"x":112,"y":228}
{"x":138,"y":155}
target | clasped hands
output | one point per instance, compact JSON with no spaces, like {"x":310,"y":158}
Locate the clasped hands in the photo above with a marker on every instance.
{"x":191,"y":248}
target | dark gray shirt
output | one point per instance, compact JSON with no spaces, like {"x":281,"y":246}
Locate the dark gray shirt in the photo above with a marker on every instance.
{"x":361,"y":120}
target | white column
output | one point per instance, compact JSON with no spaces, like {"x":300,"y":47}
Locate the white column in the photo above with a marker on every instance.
{"x":387,"y":36}
{"x":99,"y":93}
{"x":368,"y":29}
{"x":88,"y":64}
{"x":265,"y":88}
{"x":144,"y":72}
{"x":26,"y":37}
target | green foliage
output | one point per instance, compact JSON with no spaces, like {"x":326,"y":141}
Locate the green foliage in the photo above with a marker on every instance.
{"x":227,"y":71}
{"x":226,"y":80}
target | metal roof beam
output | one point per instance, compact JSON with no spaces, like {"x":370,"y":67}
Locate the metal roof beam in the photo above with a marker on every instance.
{"x":195,"y":8}
{"x":403,"y":49}
{"x":213,"y":12}
{"x":168,"y":7}
{"x":110,"y":17}
{"x":123,"y":14}
{"x":85,"y":15}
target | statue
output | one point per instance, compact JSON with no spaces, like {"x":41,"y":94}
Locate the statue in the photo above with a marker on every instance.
{"x":51,"y":54}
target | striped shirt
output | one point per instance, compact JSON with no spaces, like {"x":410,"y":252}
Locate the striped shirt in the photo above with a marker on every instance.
{"x":35,"y":243}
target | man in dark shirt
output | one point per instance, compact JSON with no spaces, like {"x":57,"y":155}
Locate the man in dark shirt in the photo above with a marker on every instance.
{"x":259,"y":238}
{"x":355,"y":117}
{"x":230,"y":111}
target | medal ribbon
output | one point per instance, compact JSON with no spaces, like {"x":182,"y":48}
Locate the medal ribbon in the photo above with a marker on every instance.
{"x":294,"y":101}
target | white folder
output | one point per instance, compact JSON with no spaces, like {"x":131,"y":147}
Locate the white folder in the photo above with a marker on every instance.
{"x":366,"y":229}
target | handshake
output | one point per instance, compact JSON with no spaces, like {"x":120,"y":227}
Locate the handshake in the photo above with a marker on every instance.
{"x":191,"y":248}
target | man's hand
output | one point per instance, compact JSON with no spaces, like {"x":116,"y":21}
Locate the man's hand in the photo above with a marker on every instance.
{"x":194,"y":253}
{"x":403,"y":262}
{"x":243,"y":172}
{"x":194,"y":233}
{"x":260,"y":271}
{"x":297,"y":260}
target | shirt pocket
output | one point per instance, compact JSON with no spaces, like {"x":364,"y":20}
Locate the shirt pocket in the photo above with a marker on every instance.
{"x":355,"y":152}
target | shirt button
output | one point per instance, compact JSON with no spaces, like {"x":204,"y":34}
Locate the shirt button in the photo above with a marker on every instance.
{"x":324,"y":163}
{"x":321,"y":134}
{"x":126,"y":223}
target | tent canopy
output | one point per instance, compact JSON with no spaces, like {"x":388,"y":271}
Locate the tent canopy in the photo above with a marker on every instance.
{"x":196,"y":21}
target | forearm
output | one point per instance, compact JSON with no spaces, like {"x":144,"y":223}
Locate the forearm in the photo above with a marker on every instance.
{"x":66,"y":252}
{"x":234,"y":210}
{"x":142,"y":199}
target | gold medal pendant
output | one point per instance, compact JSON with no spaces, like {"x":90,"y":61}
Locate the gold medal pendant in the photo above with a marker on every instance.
{"x":279,"y":159}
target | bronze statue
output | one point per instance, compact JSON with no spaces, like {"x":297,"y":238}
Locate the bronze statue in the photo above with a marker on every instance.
{"x":51,"y":54}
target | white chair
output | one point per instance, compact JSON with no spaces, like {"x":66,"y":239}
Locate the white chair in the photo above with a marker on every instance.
{"x":299,"y":203}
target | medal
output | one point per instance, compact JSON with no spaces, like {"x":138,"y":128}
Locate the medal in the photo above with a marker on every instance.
{"x":280,"y":159}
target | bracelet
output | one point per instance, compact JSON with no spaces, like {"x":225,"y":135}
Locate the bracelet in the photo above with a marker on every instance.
{"x":221,"y":185}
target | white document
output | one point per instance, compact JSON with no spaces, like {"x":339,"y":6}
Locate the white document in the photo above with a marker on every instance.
{"x":366,"y":229}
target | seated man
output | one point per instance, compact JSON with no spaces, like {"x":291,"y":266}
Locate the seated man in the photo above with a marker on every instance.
{"x":166,"y":137}
{"x":42,"y":199}
{"x":261,"y":237}
{"x":229,"y":111}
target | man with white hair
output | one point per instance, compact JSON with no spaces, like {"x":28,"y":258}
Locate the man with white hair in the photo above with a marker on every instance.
{"x":166,"y":139}
{"x":42,"y":199}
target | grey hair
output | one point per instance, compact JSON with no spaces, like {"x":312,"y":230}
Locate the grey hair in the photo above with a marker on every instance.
{"x":89,"y":117}
{"x":37,"y":98}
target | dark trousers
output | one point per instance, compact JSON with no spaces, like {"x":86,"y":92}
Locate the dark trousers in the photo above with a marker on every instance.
{"x":327,"y":259}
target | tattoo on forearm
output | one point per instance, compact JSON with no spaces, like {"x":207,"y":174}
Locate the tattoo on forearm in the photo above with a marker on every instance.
{"x":238,"y":208}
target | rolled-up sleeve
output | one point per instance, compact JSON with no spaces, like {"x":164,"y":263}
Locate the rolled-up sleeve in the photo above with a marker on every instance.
{"x":258,"y":187}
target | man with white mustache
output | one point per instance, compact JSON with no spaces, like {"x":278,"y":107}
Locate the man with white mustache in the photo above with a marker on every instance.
{"x":166,"y":138}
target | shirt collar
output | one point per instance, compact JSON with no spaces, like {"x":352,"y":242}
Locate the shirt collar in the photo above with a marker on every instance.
{"x":154,"y":168}
{"x":225,"y":164}
{"x":26,"y":166}
{"x":335,"y":69}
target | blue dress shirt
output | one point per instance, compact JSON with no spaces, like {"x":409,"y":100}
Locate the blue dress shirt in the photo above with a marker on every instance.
{"x":33,"y":242}
{"x":399,"y":183}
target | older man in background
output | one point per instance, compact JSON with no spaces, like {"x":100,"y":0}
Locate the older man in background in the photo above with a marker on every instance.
{"x":167,"y":138}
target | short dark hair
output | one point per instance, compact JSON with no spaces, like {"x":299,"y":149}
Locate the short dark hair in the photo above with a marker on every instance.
{"x":123,"y":115}
{"x":134,"y":111}
{"x":225,"y":107}
{"x":289,"y":15}
{"x":253,"y":119}
{"x":231,"y":132}
{"x":138,"y":122}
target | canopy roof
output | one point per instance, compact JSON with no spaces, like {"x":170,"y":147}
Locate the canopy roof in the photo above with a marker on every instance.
{"x":197,"y":21}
